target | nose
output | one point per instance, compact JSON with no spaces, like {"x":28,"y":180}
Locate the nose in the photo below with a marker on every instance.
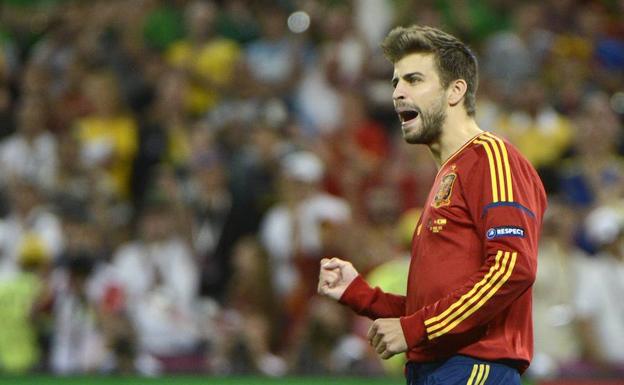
{"x":399,"y":92}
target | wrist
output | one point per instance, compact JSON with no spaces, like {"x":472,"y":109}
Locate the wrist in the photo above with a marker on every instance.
{"x":355,"y":286}
{"x":413,"y":330}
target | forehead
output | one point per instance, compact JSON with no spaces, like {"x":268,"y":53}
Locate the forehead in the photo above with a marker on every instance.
{"x":416,"y":62}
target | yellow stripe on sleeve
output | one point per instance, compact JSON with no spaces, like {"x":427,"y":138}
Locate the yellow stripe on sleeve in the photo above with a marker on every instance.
{"x":486,"y":146}
{"x":485,"y":298}
{"x":485,"y":375}
{"x":471,"y":301}
{"x":510,"y":197}
{"x":473,"y":374}
{"x":499,"y":168}
{"x":469,"y":294}
{"x":479,"y":374}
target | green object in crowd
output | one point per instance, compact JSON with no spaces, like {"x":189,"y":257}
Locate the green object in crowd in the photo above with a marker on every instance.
{"x":475,"y":20}
{"x":162,"y":27}
{"x":31,"y":3}
{"x":391,"y":277}
{"x":18,"y":344}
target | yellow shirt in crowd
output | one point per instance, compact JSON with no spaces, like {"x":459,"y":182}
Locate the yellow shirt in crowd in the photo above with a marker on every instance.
{"x":543,"y":140}
{"x":110,"y":144}
{"x":18,"y":341}
{"x":214,"y":61}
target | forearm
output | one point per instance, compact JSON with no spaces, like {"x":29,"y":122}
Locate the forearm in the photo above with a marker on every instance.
{"x":372,"y":302}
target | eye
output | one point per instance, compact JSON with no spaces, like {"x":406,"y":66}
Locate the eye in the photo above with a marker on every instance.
{"x":414,"y":79}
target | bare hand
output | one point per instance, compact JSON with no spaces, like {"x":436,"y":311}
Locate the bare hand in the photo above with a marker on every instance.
{"x":335,"y":276}
{"x":386,"y":337}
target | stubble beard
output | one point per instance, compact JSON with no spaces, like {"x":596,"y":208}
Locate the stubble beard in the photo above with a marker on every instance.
{"x":431,"y":125}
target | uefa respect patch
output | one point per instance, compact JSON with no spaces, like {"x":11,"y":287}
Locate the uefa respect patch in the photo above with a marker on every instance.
{"x":504,"y":231}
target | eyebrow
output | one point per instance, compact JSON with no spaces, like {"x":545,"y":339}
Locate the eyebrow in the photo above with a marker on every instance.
{"x":410,"y":75}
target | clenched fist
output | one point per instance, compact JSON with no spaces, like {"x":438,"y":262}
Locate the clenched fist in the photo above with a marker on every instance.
{"x":386,"y":337}
{"x":335,"y":276}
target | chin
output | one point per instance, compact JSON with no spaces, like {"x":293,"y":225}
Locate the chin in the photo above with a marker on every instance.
{"x":415,"y":139}
{"x":413,"y":135}
{"x":421,"y":136}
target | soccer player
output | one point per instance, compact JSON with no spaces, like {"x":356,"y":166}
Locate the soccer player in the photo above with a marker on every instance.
{"x":466,"y":316}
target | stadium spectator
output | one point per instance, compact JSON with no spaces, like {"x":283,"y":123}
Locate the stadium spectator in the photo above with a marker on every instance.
{"x":107,"y":137}
{"x":272,"y":63}
{"x":211,"y":206}
{"x":165,"y":134}
{"x":600,"y":289}
{"x":253,"y":165}
{"x":292,"y":232}
{"x":594,"y":175}
{"x":344,"y":50}
{"x":31,"y":152}
{"x":361,"y":144}
{"x":29,"y":220}
{"x":78,"y":344}
{"x":158,"y":275}
{"x":346,"y":354}
{"x":250,"y":328}
{"x":514,"y":56}
{"x":21,"y":317}
{"x":560,"y":265}
{"x":208,"y":59}
{"x":533,"y":122}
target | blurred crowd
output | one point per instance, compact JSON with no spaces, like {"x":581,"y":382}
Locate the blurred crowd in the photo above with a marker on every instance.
{"x":171,"y":172}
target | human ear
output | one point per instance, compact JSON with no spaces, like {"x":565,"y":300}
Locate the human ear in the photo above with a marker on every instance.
{"x":457,"y":90}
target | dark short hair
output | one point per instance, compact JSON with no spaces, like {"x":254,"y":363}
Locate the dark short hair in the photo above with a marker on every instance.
{"x":454,"y":60}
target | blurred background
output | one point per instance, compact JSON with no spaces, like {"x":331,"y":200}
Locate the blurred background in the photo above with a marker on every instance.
{"x":171,"y":172}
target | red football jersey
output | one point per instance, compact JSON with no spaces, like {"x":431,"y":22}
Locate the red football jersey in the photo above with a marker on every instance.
{"x":474,"y":259}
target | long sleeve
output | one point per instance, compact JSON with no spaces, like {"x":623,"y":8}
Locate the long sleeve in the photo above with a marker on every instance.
{"x":505,"y":203}
{"x":372,"y":302}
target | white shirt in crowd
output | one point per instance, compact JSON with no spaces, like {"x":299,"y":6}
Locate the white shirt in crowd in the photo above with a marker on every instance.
{"x":36,"y":161}
{"x":161,"y":284}
{"x":40,"y":225}
{"x":78,"y":343}
{"x":277,"y":236}
{"x":599,"y":298}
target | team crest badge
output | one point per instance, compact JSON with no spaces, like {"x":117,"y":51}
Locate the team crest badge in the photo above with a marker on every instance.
{"x":443,"y":196}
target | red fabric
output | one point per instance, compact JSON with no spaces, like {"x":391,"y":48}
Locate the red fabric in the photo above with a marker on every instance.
{"x":469,"y":293}
{"x":371,"y":138}
{"x":349,"y":146}
{"x":114,"y":299}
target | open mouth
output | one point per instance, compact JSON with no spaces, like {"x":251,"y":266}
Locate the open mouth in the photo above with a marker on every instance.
{"x":406,"y":116}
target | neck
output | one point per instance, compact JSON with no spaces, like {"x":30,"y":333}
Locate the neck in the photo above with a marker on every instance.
{"x":458,"y":129}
